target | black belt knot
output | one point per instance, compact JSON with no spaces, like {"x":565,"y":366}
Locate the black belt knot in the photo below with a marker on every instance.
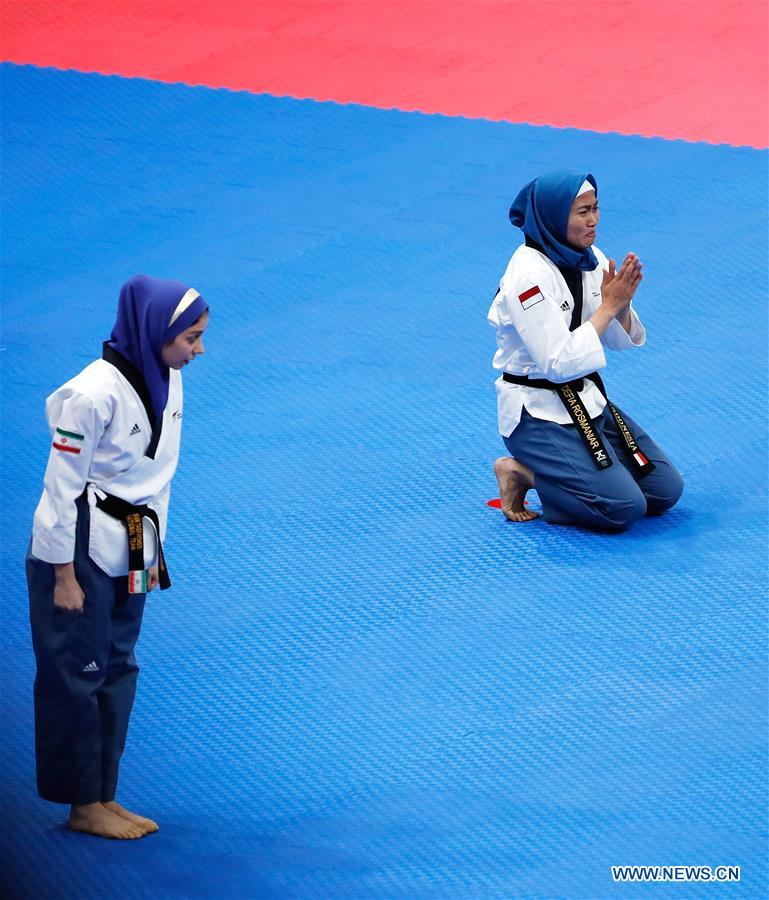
{"x":591,"y":437}
{"x":131,"y":516}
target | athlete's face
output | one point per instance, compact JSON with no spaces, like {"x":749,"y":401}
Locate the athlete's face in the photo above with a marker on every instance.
{"x":583,"y":221}
{"x":185,"y":346}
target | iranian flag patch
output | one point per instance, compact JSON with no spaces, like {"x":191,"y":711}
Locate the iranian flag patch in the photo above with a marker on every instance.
{"x":67,"y":441}
{"x":531,"y":297}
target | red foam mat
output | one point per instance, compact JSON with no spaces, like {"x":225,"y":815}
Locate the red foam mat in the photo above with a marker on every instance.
{"x":693,"y":69}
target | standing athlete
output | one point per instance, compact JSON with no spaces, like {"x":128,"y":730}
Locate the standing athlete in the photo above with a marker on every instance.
{"x":96,"y":546}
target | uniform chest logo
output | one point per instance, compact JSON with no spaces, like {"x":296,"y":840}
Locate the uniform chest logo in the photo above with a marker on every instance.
{"x":565,"y":305}
{"x":531,"y":297}
{"x":176,"y":416}
{"x":134,"y":430}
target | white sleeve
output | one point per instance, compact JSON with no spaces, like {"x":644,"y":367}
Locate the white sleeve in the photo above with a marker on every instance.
{"x":616,"y":338}
{"x":160,"y":505}
{"x":559,"y":354}
{"x":75,"y":437}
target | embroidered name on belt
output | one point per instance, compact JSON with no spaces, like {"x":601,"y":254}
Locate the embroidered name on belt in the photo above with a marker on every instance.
{"x":636,"y":457}
{"x":582,"y":420}
{"x":137,"y":575}
{"x":632,"y":448}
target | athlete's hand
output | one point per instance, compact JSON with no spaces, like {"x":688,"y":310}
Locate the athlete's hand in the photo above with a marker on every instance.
{"x":619,"y":286}
{"x":153,"y":579}
{"x":68,"y":596}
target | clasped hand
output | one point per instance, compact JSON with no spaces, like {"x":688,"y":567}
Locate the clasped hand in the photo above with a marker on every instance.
{"x":619,"y":285}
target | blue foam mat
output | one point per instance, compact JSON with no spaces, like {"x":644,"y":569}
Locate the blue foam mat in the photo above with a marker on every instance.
{"x":365,"y":683}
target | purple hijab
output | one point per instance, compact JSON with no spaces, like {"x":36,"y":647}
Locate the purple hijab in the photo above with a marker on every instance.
{"x":144,"y":312}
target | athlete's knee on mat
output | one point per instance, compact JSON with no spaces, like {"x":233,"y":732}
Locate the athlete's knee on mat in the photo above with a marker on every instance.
{"x":666,"y":492}
{"x":617,"y":513}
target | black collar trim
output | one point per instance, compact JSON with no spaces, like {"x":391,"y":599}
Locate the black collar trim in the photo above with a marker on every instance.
{"x":530,"y":242}
{"x":135,"y":378}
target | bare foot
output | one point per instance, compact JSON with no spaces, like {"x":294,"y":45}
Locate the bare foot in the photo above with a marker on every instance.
{"x":146,"y":825}
{"x":93,"y":818}
{"x":514,"y":481}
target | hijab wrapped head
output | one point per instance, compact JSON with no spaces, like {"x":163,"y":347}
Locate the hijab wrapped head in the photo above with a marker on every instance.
{"x":541,"y":211}
{"x":150,"y":313}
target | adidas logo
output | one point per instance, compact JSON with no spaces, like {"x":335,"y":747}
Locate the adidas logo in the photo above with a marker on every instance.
{"x":565,"y":304}
{"x":134,"y":430}
{"x":91,"y":667}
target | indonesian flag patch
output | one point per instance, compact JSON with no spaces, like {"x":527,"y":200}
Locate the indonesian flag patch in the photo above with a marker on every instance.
{"x":531,"y":297}
{"x":67,"y":441}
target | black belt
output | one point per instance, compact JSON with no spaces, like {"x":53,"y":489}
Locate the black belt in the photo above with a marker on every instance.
{"x":131,"y":516}
{"x":590,"y":435}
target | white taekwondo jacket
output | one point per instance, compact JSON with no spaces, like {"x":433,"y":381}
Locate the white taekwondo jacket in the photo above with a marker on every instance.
{"x":531,"y":314}
{"x":101,"y":431}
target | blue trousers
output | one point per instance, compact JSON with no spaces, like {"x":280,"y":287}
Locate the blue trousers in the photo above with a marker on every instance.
{"x":574,"y":492}
{"x":86,"y":677}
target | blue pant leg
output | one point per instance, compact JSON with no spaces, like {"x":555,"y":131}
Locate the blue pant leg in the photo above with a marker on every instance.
{"x":662,"y":487}
{"x":117,"y":692}
{"x":572,"y":490}
{"x":73,"y":653}
{"x":119,"y":618}
{"x":67,"y":731}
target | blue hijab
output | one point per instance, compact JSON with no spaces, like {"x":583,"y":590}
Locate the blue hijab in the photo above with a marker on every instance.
{"x":541,"y":210}
{"x":144,"y":313}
